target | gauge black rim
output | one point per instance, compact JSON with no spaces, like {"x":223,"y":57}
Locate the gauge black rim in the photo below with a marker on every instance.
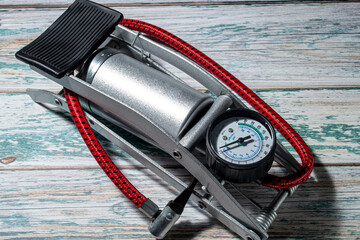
{"x":240,"y":113}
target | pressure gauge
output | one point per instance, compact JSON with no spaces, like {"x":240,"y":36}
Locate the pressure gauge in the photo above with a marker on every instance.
{"x":240,"y":145}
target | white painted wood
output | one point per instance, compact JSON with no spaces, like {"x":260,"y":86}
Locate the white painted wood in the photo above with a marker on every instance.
{"x":55,"y":190}
{"x":83,"y":203}
{"x":276,"y":46}
{"x":39,"y":138}
{"x":144,"y":3}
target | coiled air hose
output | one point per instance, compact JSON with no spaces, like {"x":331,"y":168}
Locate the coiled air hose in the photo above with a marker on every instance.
{"x":243,"y":91}
{"x":220,"y":73}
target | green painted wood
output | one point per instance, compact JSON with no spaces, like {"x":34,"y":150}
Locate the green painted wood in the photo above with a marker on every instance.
{"x":277,"y":46}
{"x":144,"y":3}
{"x":325,"y":118}
{"x":55,"y":190}
{"x":84,"y":204}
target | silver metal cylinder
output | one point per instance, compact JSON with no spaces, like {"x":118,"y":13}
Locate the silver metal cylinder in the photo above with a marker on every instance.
{"x":172,"y":105}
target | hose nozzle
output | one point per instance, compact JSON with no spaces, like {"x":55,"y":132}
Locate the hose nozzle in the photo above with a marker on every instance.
{"x":161,"y":225}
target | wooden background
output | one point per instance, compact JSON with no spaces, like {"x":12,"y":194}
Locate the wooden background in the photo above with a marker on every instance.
{"x":303,"y":58}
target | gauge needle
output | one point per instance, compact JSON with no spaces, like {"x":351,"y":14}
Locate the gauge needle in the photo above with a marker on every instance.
{"x":240,"y":144}
{"x":239,"y":140}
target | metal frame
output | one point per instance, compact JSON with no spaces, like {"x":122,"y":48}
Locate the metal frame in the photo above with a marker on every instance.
{"x":183,"y":63}
{"x":239,"y":221}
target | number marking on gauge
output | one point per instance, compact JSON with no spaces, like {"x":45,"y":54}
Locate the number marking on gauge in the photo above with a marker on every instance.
{"x":256,"y":129}
{"x":246,"y":143}
{"x":245,"y":147}
{"x":239,"y":138}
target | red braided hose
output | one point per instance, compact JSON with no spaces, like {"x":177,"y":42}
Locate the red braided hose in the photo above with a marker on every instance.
{"x":243,"y":91}
{"x":99,"y":153}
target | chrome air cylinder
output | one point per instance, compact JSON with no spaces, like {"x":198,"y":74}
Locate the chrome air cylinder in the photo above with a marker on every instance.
{"x":172,"y":105}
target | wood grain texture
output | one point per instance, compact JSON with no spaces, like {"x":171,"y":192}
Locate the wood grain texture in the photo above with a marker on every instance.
{"x":71,"y":203}
{"x":55,"y":190}
{"x":325,"y":118}
{"x":277,"y":46}
{"x":150,"y":3}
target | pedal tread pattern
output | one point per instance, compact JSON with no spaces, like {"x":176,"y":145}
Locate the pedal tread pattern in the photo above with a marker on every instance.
{"x":65,"y":45}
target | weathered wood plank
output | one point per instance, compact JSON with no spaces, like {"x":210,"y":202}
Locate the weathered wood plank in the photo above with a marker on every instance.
{"x":144,"y":3}
{"x":54,"y":189}
{"x":84,"y":203}
{"x":39,"y":138}
{"x":312,"y":46}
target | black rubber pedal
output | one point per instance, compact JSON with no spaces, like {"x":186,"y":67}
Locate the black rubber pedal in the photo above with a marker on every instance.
{"x":71,"y":38}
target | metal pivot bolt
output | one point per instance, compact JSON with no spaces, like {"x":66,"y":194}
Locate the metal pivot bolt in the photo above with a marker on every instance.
{"x":207,"y":195}
{"x":177,"y":154}
{"x":202,"y":205}
{"x":58,"y":102}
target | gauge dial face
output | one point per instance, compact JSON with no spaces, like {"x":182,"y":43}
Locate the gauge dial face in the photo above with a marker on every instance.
{"x":241,"y":140}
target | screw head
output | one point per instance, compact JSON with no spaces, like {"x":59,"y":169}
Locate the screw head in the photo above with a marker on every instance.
{"x":177,"y":154}
{"x":201,"y":205}
{"x":58,"y":102}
